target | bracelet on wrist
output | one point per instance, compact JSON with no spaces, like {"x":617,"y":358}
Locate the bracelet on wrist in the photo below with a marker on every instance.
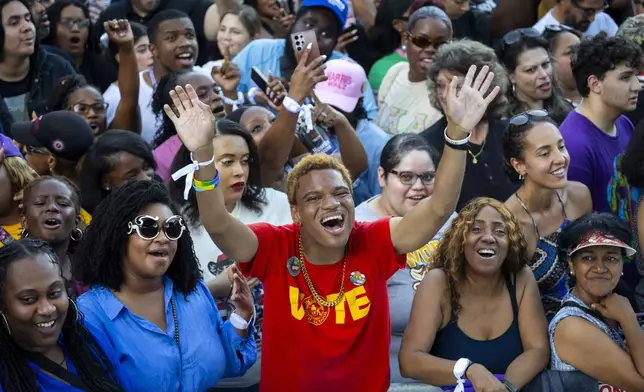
{"x":189,"y":170}
{"x":509,"y":386}
{"x":205,"y":186}
{"x":460,"y":144}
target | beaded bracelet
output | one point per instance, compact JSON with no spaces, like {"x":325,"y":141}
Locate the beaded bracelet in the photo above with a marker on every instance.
{"x":205,"y":186}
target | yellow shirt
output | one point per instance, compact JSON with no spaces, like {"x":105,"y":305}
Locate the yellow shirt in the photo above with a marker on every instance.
{"x":13,"y":230}
{"x":86,"y":218}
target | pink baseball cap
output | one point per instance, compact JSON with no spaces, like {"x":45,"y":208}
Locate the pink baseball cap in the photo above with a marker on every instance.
{"x":344,"y":87}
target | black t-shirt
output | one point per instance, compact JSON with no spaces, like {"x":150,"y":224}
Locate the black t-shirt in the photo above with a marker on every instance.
{"x":196,"y":10}
{"x":15,"y":97}
{"x":474,"y":25}
{"x":487,"y":177}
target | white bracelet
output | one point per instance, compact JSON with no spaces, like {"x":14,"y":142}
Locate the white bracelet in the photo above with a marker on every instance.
{"x":238,"y":322}
{"x":234,"y":103}
{"x":458,"y":142}
{"x":189,"y":172}
{"x":251,"y":95}
{"x":291,"y":105}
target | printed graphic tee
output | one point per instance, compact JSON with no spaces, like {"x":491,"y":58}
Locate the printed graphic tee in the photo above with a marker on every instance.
{"x":309,"y":347}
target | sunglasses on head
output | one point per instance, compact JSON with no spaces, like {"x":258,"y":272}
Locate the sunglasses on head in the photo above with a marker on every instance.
{"x":515,"y":36}
{"x":523,"y":118}
{"x":147,"y":227}
{"x":423,"y":42}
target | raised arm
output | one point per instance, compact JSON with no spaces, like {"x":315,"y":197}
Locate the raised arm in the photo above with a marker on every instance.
{"x":463,"y":111}
{"x":275,"y":147}
{"x":195,"y":124}
{"x":127,"y":115}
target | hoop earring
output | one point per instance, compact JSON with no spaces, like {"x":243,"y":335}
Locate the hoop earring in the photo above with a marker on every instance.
{"x":521,"y":177}
{"x":76,"y":235}
{"x":514,"y":89}
{"x":72,"y":304}
{"x":6,"y":324}
{"x":24,"y":233}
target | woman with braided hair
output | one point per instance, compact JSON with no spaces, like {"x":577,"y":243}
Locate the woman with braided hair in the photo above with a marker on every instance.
{"x":44,"y":342}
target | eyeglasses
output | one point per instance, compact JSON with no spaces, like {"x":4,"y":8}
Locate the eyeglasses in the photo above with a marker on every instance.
{"x":515,"y":36}
{"x":69,"y":23}
{"x":523,"y":118}
{"x":422,"y":42}
{"x":552,"y":30}
{"x":36,"y":150}
{"x":589,"y":12}
{"x":409,"y":178}
{"x":147,"y":227}
{"x":83,"y":108}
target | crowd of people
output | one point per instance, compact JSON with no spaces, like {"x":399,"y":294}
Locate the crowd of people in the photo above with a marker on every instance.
{"x":392,"y":195}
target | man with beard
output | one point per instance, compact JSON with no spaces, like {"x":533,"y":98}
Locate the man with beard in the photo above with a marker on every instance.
{"x":205,"y":14}
{"x":585,"y":16}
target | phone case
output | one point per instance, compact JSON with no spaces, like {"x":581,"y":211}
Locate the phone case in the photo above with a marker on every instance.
{"x":301,"y":40}
{"x":259,"y":79}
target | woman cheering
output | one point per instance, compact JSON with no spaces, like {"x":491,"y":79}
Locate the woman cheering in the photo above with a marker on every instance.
{"x":325,"y":276}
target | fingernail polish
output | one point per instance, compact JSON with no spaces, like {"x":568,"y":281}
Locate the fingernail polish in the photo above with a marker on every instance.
{"x":310,"y":45}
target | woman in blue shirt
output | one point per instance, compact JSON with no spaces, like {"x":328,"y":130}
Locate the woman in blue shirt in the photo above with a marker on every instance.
{"x":147,"y":296}
{"x":41,"y":331}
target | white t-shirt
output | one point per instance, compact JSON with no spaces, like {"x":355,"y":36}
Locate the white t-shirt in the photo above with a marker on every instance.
{"x":149,"y":122}
{"x":404,"y":105}
{"x":603,"y":22}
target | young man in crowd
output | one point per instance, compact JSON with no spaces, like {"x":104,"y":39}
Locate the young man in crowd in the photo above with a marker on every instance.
{"x":27,"y":74}
{"x":605,"y":70}
{"x":585,"y":16}
{"x":205,"y":14}
{"x":327,"y":18}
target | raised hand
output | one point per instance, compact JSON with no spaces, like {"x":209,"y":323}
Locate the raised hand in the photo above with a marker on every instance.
{"x":275,"y":94}
{"x":285,"y":19}
{"x":228,"y":75}
{"x":305,"y":77}
{"x":240,"y":294}
{"x":324,"y":114}
{"x":348,"y":37}
{"x":119,"y":31}
{"x":192,"y":118}
{"x":465,"y":108}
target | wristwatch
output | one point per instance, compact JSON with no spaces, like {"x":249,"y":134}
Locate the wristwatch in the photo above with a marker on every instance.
{"x":460,"y":368}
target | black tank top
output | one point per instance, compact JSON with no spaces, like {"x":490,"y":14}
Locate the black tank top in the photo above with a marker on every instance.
{"x":496,"y":354}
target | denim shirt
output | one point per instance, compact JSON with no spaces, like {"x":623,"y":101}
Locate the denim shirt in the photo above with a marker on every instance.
{"x":265,"y":54}
{"x":210,"y":348}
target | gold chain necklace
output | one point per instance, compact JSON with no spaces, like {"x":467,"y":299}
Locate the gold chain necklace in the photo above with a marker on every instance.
{"x":318,"y":298}
{"x":475,"y":157}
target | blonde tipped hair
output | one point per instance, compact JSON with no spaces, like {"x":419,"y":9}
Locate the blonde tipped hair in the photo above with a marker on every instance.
{"x":311,"y":163}
{"x":19,"y":172}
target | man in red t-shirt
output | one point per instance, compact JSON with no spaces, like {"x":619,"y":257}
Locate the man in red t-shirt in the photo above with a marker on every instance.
{"x":326,"y":313}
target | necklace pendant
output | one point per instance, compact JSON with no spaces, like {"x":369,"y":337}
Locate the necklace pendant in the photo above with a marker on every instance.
{"x":475,"y":160}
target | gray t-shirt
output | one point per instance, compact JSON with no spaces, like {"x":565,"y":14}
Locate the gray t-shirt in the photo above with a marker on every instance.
{"x":402,"y":286}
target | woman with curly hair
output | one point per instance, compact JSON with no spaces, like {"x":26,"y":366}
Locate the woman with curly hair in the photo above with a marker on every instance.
{"x":15,"y":175}
{"x":536,"y":156}
{"x":589,"y":335}
{"x":477,"y":314}
{"x":485,"y":149}
{"x":45,"y":343}
{"x":147,"y":295}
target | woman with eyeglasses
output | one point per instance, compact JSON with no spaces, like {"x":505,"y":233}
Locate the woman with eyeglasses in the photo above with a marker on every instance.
{"x":76,"y":94}
{"x":407,"y":171}
{"x":561,"y":41}
{"x":536,"y":156}
{"x":148,"y":298}
{"x":45,"y":342}
{"x":386,"y":37}
{"x":525,"y":55}
{"x":51,"y":212}
{"x":403,"y":97}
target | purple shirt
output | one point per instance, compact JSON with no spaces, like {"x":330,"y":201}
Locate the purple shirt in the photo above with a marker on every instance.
{"x":164,"y":155}
{"x":592,"y":153}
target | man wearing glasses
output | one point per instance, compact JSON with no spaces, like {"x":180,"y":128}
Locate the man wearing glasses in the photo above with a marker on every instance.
{"x":585,"y":16}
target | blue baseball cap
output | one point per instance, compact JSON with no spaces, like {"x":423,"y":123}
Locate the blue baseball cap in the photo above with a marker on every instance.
{"x":339,"y":7}
{"x":10,"y":149}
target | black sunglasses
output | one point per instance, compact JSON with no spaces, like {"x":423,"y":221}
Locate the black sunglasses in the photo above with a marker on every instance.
{"x":523,"y":118}
{"x":423,"y":42}
{"x":147,"y":227}
{"x":515,"y":36}
{"x":550,"y":31}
